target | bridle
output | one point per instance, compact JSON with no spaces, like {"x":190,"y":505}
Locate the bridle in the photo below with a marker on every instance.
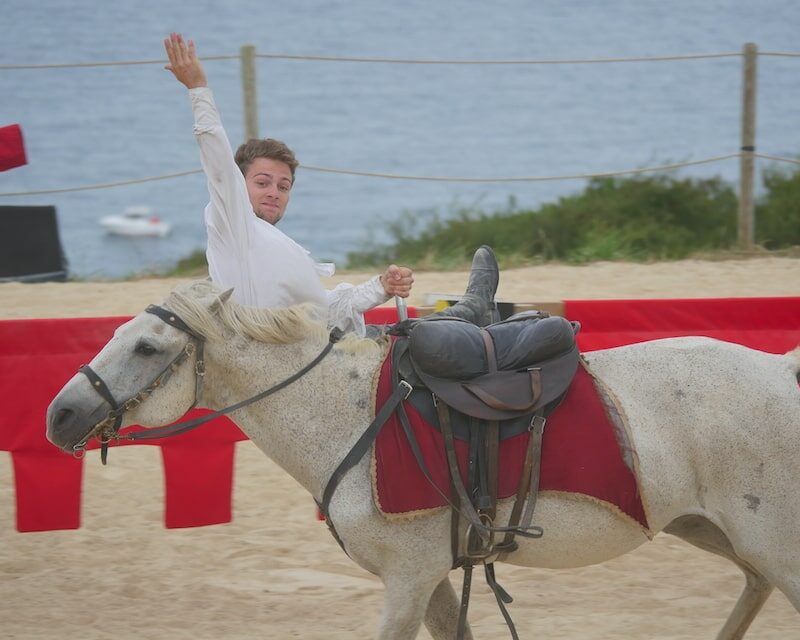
{"x":108,"y":428}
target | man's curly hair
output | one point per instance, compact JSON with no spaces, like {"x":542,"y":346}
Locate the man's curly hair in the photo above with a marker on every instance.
{"x":265,"y":148}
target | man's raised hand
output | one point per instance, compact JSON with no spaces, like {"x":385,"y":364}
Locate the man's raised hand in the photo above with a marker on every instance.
{"x":183,"y":62}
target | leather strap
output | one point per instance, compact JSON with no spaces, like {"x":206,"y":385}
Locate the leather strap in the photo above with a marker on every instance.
{"x":502,"y":597}
{"x":492,"y":461}
{"x":466,"y":589}
{"x":536,"y":383}
{"x":355,"y":454}
{"x":399,"y":348}
{"x":182,"y":427}
{"x":508,"y":544}
{"x":491,"y":356}
{"x":99,"y":386}
{"x":465,"y":504}
{"x":172,"y":319}
{"x":105,"y":393}
{"x":537,"y":431}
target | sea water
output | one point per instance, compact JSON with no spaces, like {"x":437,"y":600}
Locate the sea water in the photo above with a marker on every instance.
{"x":97,"y":125}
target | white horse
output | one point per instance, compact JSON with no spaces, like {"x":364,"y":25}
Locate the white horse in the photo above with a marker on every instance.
{"x":715,"y":427}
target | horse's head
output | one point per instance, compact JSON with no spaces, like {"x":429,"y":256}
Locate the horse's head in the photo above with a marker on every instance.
{"x":147,"y":374}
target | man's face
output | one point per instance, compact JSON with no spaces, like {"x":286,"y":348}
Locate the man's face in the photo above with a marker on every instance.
{"x":269,"y":183}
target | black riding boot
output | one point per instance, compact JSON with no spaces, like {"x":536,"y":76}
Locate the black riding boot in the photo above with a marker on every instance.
{"x":477,"y":304}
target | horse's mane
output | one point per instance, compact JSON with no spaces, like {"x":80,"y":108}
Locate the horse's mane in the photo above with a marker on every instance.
{"x":208,"y":311}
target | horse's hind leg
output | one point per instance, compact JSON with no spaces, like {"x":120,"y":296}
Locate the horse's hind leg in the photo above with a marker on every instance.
{"x":755,"y":594}
{"x":441,"y":618}
{"x":705,"y":535}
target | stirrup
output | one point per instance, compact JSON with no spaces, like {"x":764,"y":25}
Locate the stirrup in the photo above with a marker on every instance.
{"x":474,"y":546}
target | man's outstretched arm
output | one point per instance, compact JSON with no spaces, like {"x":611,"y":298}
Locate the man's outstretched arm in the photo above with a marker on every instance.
{"x":229,"y":210}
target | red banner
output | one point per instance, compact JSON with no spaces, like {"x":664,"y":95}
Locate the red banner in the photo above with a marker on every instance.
{"x":12,"y":148}
{"x":37,"y":357}
{"x":767,"y":324}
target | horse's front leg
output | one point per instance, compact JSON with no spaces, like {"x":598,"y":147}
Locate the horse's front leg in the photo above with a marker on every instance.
{"x":441,"y":618}
{"x":406,"y":601}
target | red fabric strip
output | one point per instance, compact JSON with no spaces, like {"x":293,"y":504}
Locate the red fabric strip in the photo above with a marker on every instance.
{"x":12,"y":148}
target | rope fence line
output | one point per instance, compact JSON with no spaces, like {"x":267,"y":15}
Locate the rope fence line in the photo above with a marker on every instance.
{"x":576,"y":176}
{"x":696,"y":56}
{"x":121,"y":63}
{"x":777,"y":158}
{"x":393,"y":176}
{"x":784,"y":54}
{"x":379,"y":60}
{"x":107,"y":185}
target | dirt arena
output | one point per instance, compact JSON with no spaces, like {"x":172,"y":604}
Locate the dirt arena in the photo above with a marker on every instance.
{"x":275,"y":572}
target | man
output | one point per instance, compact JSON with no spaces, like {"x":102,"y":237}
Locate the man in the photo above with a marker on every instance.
{"x":249,"y":195}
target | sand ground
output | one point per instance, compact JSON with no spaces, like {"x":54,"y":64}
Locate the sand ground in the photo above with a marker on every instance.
{"x":275,"y":572}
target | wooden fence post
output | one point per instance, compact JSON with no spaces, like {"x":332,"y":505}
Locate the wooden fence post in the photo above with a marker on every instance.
{"x":248,"y":63}
{"x":748,"y":148}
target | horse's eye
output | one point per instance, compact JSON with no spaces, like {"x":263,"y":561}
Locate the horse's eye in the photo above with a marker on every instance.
{"x":145,"y":349}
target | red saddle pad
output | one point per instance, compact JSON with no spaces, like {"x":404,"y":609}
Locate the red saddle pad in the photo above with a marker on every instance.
{"x":580,"y":454}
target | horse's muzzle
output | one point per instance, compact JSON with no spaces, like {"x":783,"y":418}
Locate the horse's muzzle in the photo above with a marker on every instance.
{"x":68,"y":423}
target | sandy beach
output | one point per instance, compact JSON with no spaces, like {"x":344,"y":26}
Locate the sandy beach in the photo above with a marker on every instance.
{"x":275,"y":572}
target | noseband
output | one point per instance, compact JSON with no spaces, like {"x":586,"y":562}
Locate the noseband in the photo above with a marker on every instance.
{"x":108,"y":428}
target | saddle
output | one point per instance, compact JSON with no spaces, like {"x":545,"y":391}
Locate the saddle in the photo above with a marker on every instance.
{"x":507,"y":370}
{"x":481,"y":385}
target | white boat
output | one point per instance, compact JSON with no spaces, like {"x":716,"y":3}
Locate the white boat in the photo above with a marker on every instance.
{"x":136,"y":221}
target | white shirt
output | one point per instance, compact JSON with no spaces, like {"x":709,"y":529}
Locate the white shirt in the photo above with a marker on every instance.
{"x":265,"y":267}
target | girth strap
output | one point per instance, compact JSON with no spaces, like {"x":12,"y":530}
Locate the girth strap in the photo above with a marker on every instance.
{"x":464,"y":503}
{"x":535,"y":445}
{"x":528,"y":486}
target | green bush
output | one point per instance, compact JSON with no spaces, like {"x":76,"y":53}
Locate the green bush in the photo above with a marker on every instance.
{"x":193,"y":265}
{"x":640,"y":218}
{"x":778,"y":210}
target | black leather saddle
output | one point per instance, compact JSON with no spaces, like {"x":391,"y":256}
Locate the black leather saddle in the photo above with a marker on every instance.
{"x":504,"y":372}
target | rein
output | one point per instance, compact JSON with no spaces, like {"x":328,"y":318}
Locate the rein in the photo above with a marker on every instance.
{"x":108,"y":428}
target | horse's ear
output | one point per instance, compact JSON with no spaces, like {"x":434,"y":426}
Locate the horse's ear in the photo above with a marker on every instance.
{"x":222,"y":298}
{"x":225,"y":295}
